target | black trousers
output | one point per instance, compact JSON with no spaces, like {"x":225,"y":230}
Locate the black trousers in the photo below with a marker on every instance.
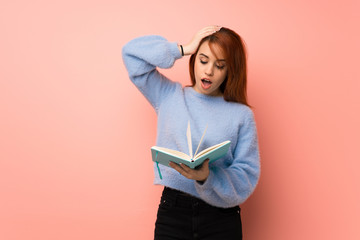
{"x":181,"y":216}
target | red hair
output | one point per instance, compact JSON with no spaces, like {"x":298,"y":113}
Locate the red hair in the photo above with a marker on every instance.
{"x":232,"y":46}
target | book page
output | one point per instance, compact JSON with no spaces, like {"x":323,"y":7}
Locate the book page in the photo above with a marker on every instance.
{"x":210,"y":149}
{"x":173,"y":152}
{"x":202,"y":137}
{"x":189,"y":141}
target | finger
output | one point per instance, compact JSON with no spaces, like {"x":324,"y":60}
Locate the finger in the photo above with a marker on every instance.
{"x":208,"y":31}
{"x":174,"y":165}
{"x":212,"y":29}
{"x":183,"y":172}
{"x":185,"y":168}
{"x":205,"y":165}
{"x":191,"y":173}
{"x":207,"y":161}
{"x":177,"y":167}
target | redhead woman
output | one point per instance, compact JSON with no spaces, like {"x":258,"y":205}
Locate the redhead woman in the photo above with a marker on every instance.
{"x":201,"y":203}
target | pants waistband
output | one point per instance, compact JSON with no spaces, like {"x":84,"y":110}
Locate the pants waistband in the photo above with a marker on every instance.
{"x":185,"y":200}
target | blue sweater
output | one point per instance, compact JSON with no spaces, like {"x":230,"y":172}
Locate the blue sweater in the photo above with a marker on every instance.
{"x":233,"y":178}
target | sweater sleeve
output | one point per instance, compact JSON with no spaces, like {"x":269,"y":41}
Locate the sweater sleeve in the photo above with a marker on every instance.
{"x":141,"y":57}
{"x":231,"y":186}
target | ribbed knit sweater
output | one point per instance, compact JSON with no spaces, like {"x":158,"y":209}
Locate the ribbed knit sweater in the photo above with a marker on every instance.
{"x":232,"y":178}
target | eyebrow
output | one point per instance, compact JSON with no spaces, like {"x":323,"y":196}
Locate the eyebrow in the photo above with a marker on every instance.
{"x":223,"y":60}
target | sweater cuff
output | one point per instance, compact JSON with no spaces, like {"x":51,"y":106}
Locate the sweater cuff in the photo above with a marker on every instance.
{"x":175,"y":50}
{"x":207,"y":184}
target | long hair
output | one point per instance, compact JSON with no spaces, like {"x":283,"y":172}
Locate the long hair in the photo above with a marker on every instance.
{"x":234,"y":86}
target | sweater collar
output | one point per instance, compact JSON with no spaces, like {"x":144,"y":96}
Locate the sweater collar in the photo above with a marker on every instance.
{"x":194,"y":93}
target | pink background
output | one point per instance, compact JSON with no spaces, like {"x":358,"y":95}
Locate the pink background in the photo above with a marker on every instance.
{"x":75,"y":133}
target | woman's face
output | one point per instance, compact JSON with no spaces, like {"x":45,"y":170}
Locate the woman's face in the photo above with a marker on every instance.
{"x":210,"y":71}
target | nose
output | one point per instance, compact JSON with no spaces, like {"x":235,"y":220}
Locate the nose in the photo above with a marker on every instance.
{"x":209,"y":70}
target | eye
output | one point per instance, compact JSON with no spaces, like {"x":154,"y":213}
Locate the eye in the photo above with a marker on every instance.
{"x":220,"y":67}
{"x":203,"y":62}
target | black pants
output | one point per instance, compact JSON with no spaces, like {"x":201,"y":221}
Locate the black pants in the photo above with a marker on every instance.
{"x":181,"y":216}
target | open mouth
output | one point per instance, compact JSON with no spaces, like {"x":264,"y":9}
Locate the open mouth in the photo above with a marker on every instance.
{"x":205,"y":83}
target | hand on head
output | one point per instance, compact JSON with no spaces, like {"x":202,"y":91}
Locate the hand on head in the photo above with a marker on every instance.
{"x":192,"y":46}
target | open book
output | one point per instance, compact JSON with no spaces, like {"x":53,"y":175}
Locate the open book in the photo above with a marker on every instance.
{"x":164,"y":155}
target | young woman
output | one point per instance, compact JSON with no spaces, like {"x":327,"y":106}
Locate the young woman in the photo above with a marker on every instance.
{"x":200,"y":203}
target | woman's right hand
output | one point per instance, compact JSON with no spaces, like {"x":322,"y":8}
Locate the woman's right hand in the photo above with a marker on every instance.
{"x":192,"y":46}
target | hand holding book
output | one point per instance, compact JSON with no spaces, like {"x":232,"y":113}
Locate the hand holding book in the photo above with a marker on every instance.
{"x":199,"y":174}
{"x":164,"y":156}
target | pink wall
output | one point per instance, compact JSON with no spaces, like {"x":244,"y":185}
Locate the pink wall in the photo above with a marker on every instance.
{"x":75,"y":133}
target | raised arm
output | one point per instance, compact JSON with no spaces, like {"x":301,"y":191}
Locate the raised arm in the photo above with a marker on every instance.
{"x":141,"y":57}
{"x":144,"y":54}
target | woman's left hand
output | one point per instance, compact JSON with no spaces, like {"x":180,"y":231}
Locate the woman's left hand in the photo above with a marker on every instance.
{"x":199,"y":174}
{"x":192,"y":46}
